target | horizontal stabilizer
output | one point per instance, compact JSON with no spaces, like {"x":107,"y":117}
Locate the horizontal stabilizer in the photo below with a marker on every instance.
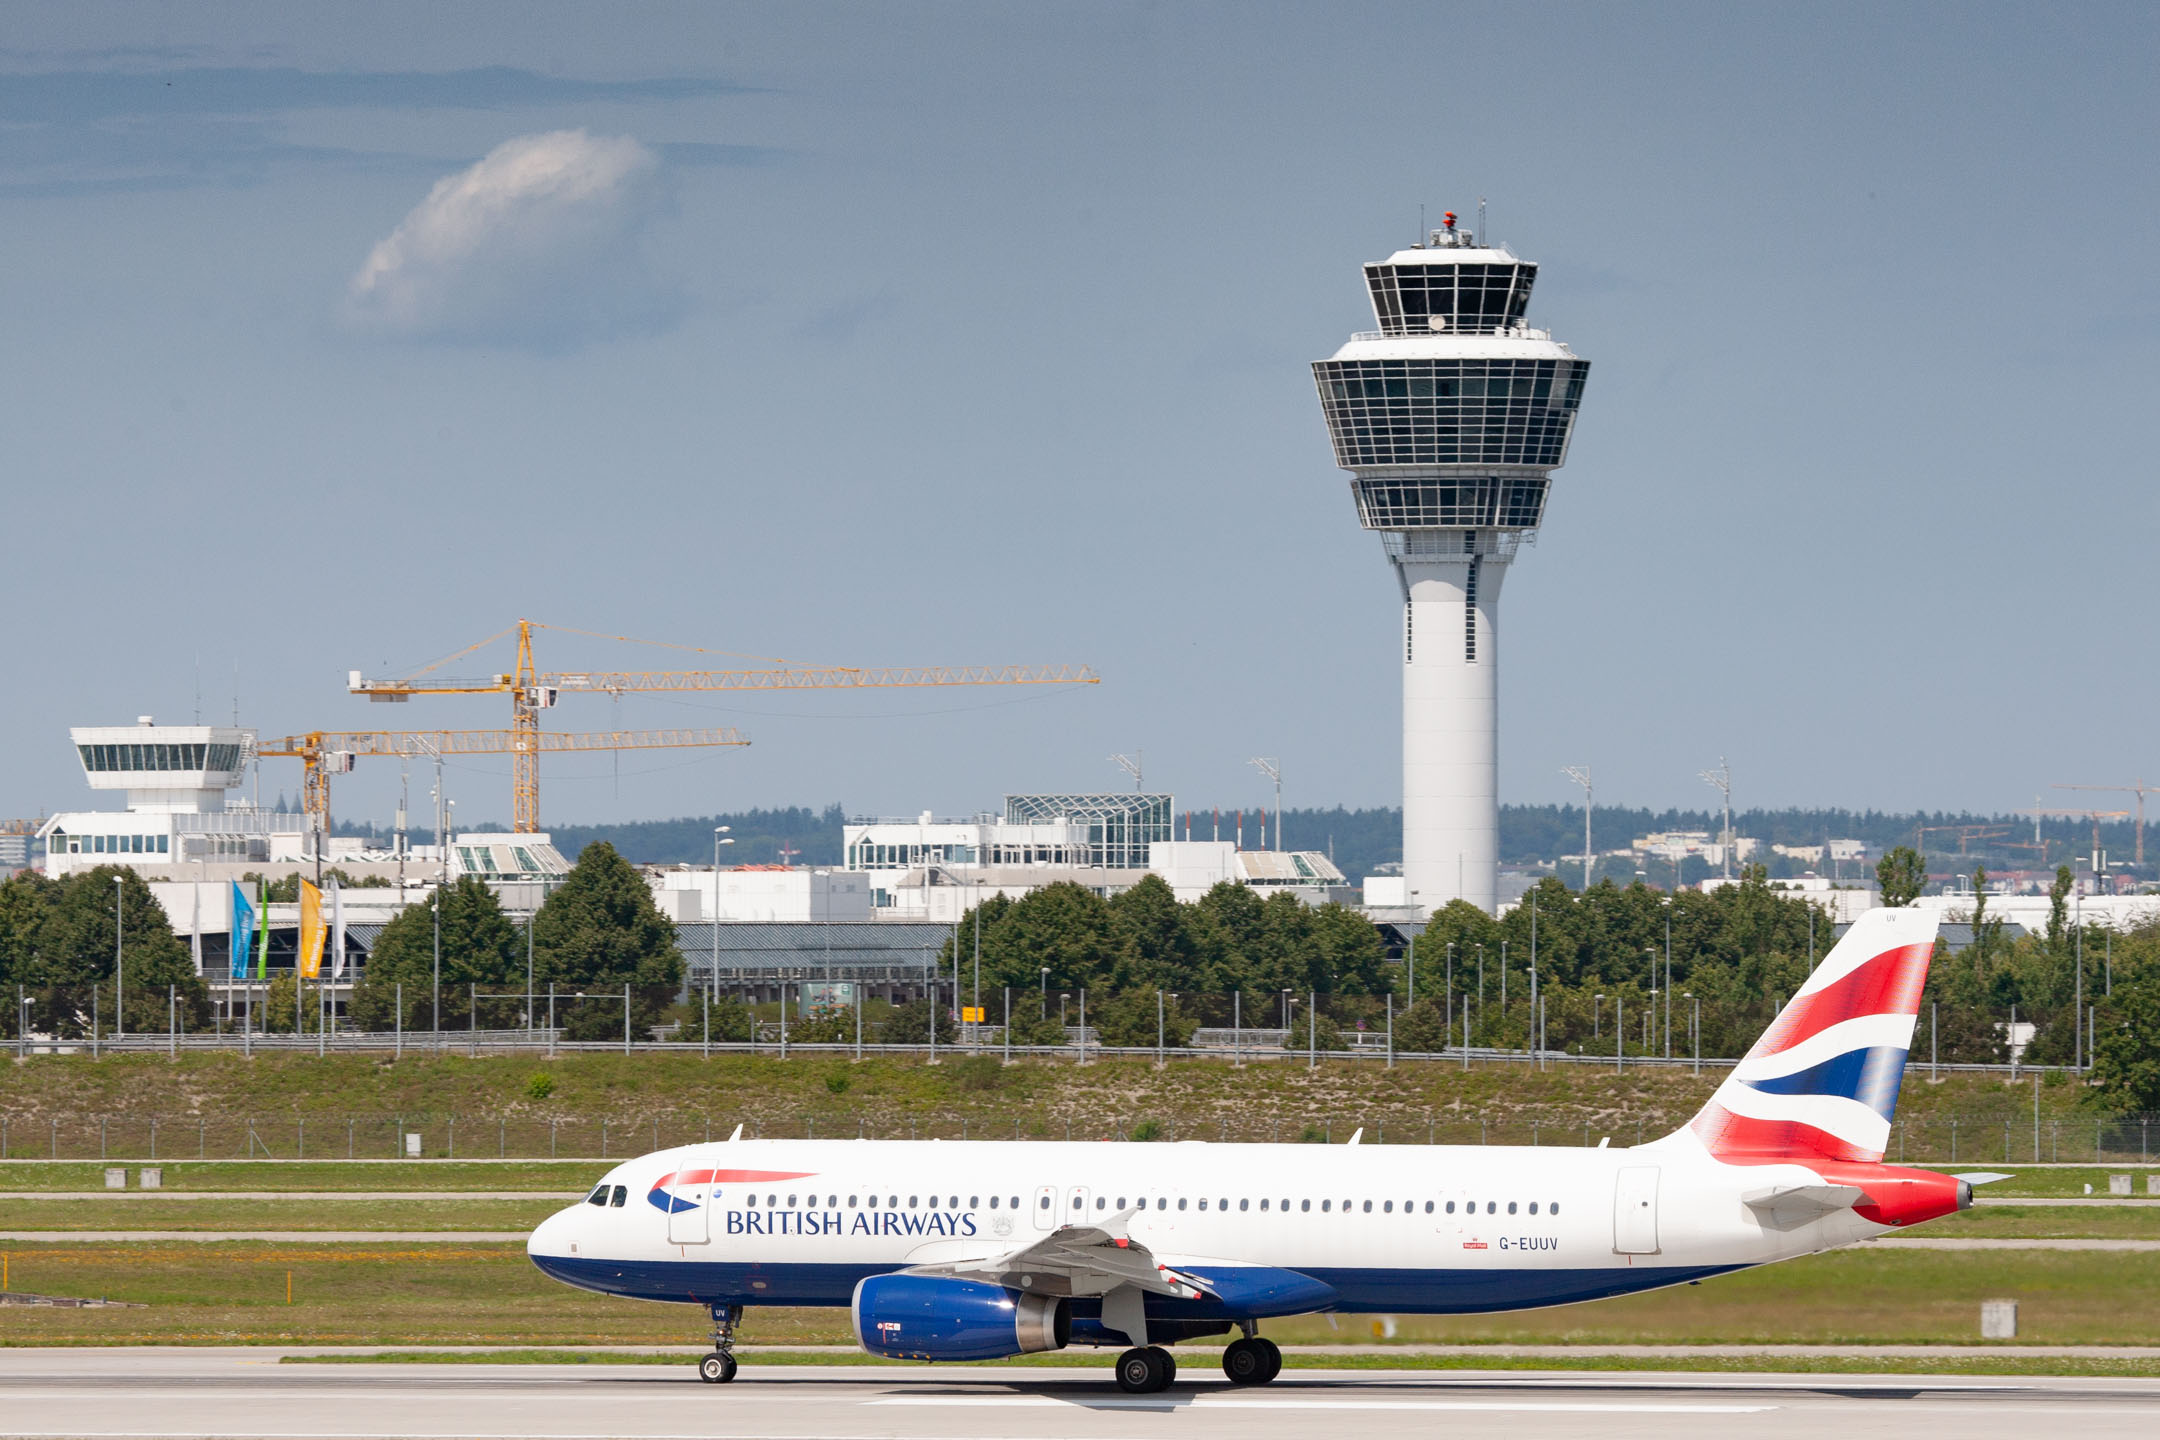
{"x":1783,"y":1207}
{"x":1982,"y":1177}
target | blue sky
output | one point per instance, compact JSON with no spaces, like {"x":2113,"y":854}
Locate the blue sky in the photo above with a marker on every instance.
{"x":958,"y":334}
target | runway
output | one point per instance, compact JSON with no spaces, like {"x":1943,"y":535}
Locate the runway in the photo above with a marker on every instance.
{"x":247,"y":1394}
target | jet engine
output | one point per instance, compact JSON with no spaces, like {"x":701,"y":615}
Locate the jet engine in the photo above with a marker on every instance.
{"x":936,"y":1317}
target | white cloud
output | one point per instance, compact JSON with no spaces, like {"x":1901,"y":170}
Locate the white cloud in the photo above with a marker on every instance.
{"x":540,"y":243}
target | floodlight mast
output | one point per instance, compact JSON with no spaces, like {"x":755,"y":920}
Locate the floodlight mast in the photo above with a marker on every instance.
{"x":1451,"y":418}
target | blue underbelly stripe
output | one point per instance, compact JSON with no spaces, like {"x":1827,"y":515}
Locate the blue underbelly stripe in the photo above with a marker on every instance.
{"x":1359,"y":1289}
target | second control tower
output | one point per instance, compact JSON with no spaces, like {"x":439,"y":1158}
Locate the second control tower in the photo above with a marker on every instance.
{"x":1451,"y":418}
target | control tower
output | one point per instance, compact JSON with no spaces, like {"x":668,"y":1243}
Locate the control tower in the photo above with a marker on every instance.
{"x":1451,"y":418}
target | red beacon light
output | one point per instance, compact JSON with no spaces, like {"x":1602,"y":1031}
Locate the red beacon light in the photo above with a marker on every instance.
{"x":1448,"y":219}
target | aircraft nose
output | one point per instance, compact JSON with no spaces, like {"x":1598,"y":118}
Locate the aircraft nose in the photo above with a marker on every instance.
{"x":547,"y":1237}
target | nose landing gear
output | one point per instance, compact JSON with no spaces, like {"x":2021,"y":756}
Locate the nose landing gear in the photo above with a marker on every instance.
{"x":719,"y":1367}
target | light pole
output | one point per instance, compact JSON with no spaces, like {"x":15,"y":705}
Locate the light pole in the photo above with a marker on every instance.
{"x":119,"y":970}
{"x":1043,"y":1006}
{"x":1597,"y":1017}
{"x":1272,"y":768}
{"x":1651,"y":951}
{"x":1580,"y":774}
{"x":1063,"y":996}
{"x":712,"y":981}
{"x":1720,"y":780}
{"x":1668,"y":969}
{"x":1695,"y":1027}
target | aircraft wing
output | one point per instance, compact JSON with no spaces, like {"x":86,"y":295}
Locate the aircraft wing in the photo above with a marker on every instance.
{"x":1072,"y":1260}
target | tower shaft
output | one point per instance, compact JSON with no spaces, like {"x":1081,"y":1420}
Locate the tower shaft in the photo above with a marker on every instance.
{"x":1451,"y":694}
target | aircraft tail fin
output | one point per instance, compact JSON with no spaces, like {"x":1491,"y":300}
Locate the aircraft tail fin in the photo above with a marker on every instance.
{"x":1822,"y":1082}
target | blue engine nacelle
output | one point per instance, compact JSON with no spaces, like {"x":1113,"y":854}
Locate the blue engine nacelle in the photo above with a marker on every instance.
{"x":935,"y":1317}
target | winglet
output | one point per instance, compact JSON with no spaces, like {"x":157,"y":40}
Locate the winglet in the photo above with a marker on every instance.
{"x":736,"y":1136}
{"x":1357,"y":1134}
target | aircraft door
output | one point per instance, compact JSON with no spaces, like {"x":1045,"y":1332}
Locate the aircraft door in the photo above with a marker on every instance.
{"x":689,"y":1220}
{"x":1635,"y":1211}
{"x":1076,"y":1206}
{"x":1046,"y":1203}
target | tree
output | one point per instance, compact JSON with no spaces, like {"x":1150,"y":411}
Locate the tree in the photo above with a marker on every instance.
{"x":480,"y":946}
{"x":600,"y":931}
{"x":1128,"y":1019}
{"x":910,"y":1023}
{"x":1902,"y":874}
{"x":72,"y":968}
{"x":2126,"y":1056}
{"x":2059,"y":906}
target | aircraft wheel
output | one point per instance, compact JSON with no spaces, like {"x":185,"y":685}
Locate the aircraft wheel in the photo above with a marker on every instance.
{"x":1245,"y":1362}
{"x":1169,"y":1363}
{"x":1143,"y":1371}
{"x":716,"y":1369}
{"x":1274,"y":1357}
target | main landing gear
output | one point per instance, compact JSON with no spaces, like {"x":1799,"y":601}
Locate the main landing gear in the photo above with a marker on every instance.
{"x":1251,"y":1361}
{"x":1146,"y":1371}
{"x":719,"y":1367}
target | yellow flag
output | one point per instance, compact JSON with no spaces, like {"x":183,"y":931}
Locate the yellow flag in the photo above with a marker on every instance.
{"x":311,"y":931}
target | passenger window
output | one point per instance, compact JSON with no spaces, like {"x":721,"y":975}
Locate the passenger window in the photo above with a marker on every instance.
{"x":791,"y":1202}
{"x":622,"y":1193}
{"x":1490,"y":1206}
{"x":975,"y":1200}
{"x":1428,"y":1207}
{"x":1533,"y":1207}
{"x":1222,"y":1204}
{"x":1325,"y":1205}
{"x":1451,"y":1207}
{"x":911,"y":1202}
{"x":832,"y":1200}
{"x":1511,"y":1207}
{"x":1045,"y":1202}
{"x":1386,"y":1207}
{"x":1244,"y":1203}
{"x":851,"y":1202}
{"x":1203,"y":1204}
{"x":1553,"y":1209}
{"x":1263,"y":1202}
{"x":1101,"y":1202}
{"x":933,"y":1202}
{"x":892,"y":1202}
{"x":1368,"y":1207}
{"x":772,"y":1199}
{"x":952,"y":1202}
{"x":1304,"y":1205}
{"x":1162,"y":1202}
{"x":1180,"y":1202}
{"x":993,"y":1202}
{"x":1121,"y":1202}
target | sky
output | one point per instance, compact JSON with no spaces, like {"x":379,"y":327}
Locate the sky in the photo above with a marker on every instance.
{"x":342,"y":337}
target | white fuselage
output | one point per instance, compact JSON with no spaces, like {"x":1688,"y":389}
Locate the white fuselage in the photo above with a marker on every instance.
{"x":1406,"y":1229}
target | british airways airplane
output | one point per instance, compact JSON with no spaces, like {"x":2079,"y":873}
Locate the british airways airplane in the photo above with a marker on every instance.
{"x":983,"y":1250}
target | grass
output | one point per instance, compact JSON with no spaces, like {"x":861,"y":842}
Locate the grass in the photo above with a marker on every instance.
{"x":567,"y":1178}
{"x":300,"y":1104}
{"x":461,"y":1295}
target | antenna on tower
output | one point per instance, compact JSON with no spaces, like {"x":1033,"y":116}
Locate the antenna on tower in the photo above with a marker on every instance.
{"x":1130,"y":764}
{"x":1420,"y":227}
{"x":1481,"y":237}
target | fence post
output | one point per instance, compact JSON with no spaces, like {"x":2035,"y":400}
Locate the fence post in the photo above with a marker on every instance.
{"x":626,"y":1015}
{"x":399,"y":1053}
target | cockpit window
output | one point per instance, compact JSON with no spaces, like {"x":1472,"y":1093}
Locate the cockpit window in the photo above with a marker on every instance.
{"x":598,"y":1196}
{"x":622,"y":1193}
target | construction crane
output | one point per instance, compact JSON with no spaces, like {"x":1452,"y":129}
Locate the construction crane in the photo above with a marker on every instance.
{"x":323,"y":753}
{"x":532,"y":690}
{"x":1965,"y":834}
{"x":2096,"y":816}
{"x":2139,"y":789}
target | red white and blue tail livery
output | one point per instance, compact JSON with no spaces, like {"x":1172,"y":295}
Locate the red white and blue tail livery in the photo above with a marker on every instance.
{"x":1823,"y":1079}
{"x":986,"y":1249}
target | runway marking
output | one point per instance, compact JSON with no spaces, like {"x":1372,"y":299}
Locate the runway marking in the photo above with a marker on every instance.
{"x":1194,"y":1402}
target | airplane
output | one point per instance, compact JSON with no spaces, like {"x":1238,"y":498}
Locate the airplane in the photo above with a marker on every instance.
{"x":983,"y":1250}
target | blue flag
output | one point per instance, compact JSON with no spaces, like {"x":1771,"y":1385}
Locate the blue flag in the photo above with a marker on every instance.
{"x":243,"y":932}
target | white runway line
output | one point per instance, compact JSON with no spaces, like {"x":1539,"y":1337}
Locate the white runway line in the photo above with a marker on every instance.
{"x":1193,"y":1402}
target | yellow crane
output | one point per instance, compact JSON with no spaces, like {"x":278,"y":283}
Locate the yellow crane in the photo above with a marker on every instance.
{"x":323,"y":753}
{"x":532,"y":690}
{"x":2096,"y":816}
